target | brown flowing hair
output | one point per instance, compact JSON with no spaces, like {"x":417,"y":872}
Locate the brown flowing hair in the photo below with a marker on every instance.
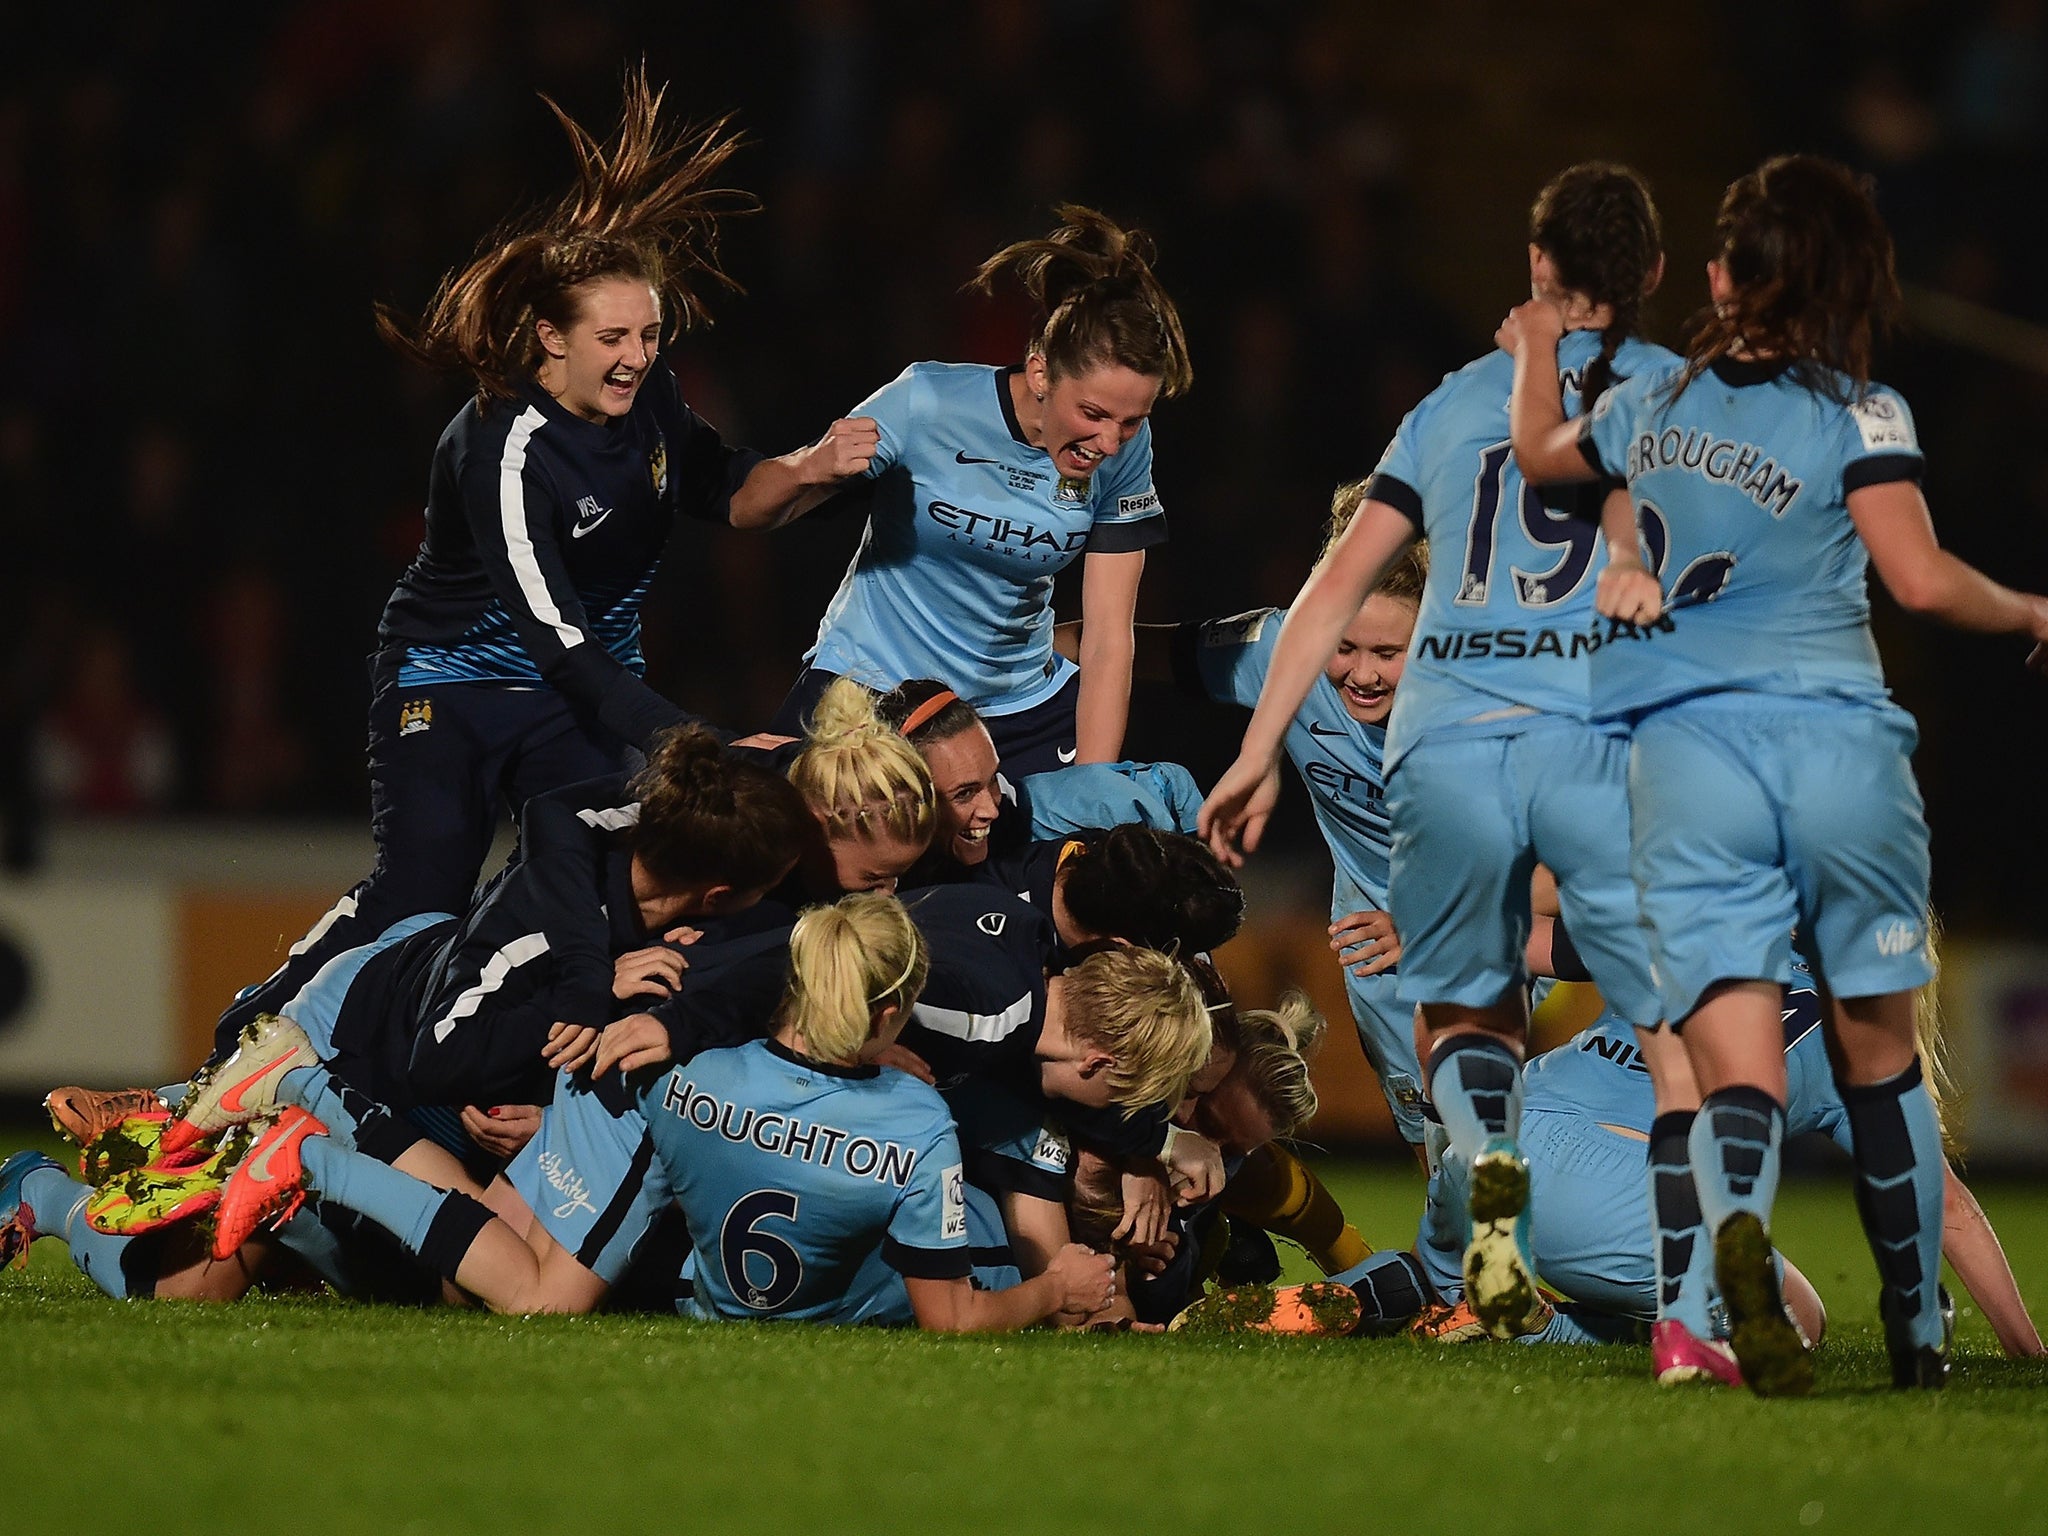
{"x":1100,"y":304}
{"x":1813,"y":272}
{"x":643,"y":207}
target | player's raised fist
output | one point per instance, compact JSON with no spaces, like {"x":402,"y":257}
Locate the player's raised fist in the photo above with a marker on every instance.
{"x":846,"y":449}
{"x":1537,"y":322}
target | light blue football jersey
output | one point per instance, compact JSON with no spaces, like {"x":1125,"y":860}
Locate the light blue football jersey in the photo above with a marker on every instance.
{"x":1599,"y":1073}
{"x":808,"y":1188}
{"x":1507,"y":615}
{"x":1337,"y":757}
{"x":1741,"y":485}
{"x":970,"y":524}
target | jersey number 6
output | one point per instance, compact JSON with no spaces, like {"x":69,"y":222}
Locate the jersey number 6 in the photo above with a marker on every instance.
{"x":740,"y":1240}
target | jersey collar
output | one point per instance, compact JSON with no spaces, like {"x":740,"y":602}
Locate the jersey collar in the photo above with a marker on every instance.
{"x":1738,"y":373}
{"x":1009,"y":406}
{"x":777,"y":1048}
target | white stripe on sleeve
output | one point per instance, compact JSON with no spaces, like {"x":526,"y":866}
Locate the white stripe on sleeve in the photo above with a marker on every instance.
{"x":526,"y":947}
{"x":974,"y":1026}
{"x":526,"y":571}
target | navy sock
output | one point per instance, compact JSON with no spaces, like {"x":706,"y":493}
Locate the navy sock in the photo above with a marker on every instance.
{"x":1685,"y":1259}
{"x":1391,"y":1288}
{"x":1475,"y":1082}
{"x":1899,"y":1185}
{"x":1735,"y":1142}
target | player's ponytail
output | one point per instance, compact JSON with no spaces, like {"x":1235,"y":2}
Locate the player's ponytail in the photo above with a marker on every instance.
{"x":1274,"y":1048}
{"x":1813,"y":273}
{"x":643,"y":207}
{"x":1163,"y":890}
{"x":1145,"y":1010}
{"x":705,"y":817}
{"x":1097,"y":299}
{"x":1598,"y":224}
{"x":856,"y":773}
{"x":847,"y":962}
{"x":1929,"y":1041}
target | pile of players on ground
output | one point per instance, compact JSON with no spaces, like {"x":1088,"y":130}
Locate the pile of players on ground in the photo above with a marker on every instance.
{"x":907,"y":1015}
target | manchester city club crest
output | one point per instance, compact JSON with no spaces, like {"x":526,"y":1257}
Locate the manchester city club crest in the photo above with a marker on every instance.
{"x":1071,"y":492}
{"x":657,"y":465}
{"x":414,"y":716}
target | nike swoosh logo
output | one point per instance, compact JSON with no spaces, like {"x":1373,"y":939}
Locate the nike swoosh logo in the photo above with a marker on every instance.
{"x":960,"y":456}
{"x":258,"y":1167}
{"x":1316,"y":728}
{"x":231,"y":1101}
{"x":582,"y":528}
{"x":1069,"y":755}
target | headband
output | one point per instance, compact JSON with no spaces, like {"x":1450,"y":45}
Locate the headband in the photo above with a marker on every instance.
{"x":896,"y":986}
{"x":922,"y":715}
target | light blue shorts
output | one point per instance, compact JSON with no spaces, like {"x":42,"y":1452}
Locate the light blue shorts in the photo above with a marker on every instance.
{"x":1472,"y":815}
{"x":1386,"y":1032}
{"x":316,"y":1005}
{"x":591,"y":1178}
{"x":1756,"y":813}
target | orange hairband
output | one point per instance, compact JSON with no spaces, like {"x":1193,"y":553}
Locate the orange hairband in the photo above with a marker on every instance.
{"x":924,"y":712}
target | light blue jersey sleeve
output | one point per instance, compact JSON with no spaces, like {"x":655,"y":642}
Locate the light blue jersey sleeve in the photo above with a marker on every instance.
{"x":1398,"y":477}
{"x":1127,"y":511}
{"x":1163,"y":796}
{"x":927,"y":1235}
{"x":1606,"y":431}
{"x":1812,"y":1102}
{"x":896,"y":408}
{"x":1880,"y":442}
{"x":1231,"y":655}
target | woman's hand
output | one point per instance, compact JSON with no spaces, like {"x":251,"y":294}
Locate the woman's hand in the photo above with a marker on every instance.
{"x":502,"y":1129}
{"x":636,"y":1041}
{"x":1148,"y":1210}
{"x":1194,"y":1166}
{"x":1366,"y":942}
{"x":570,"y":1046}
{"x":904,"y":1059}
{"x":1628,"y":592}
{"x":1084,"y":1280}
{"x":1234,"y":816}
{"x":1537,"y":322}
{"x":847,"y":449}
{"x":656,"y":971}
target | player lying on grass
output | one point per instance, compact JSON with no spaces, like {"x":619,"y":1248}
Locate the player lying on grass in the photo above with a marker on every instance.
{"x":1590,"y":1116}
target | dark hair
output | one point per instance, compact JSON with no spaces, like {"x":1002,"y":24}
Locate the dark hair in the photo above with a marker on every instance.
{"x":903,"y":701}
{"x":1598,"y":225}
{"x":707,"y":816}
{"x":642,"y":208}
{"x":1159,"y":889}
{"x":1092,"y":282}
{"x":1812,"y":267}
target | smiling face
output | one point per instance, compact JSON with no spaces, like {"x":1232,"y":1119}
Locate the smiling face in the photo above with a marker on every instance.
{"x":595,"y":366}
{"x":873,"y":860}
{"x":1082,"y":419}
{"x":1367,"y":666}
{"x":964,"y":775}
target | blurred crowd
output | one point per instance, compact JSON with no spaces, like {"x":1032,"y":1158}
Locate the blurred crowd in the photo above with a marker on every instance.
{"x":211,"y":473}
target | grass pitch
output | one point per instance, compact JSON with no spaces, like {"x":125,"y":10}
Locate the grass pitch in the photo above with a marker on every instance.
{"x":317,"y":1415}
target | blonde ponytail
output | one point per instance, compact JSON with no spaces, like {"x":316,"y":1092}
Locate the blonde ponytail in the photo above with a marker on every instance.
{"x":856,"y":773}
{"x":847,"y":962}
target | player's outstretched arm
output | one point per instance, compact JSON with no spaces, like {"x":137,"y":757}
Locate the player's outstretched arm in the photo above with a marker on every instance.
{"x":1109,"y":604}
{"x":1546,"y":444}
{"x":1973,"y":1250}
{"x":1233,"y":818}
{"x":1078,"y":1281}
{"x":779,"y":491}
{"x":1892,"y":520}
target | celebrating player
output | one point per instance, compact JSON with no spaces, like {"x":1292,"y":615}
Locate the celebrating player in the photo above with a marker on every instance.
{"x":1491,"y":765}
{"x":1770,"y":781}
{"x":989,"y":481}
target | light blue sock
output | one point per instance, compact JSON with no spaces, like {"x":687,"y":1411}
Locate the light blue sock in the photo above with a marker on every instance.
{"x":1735,"y":1143}
{"x":59,"y":1203}
{"x":331,"y":1102}
{"x":1475,"y":1082}
{"x":398,"y":1202}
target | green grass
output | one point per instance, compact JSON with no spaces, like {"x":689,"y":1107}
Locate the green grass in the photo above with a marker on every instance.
{"x":320,"y":1415}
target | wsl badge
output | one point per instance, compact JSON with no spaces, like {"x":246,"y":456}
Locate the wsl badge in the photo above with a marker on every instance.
{"x":657,"y":465}
{"x":416,"y":716}
{"x":1071,"y":492}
